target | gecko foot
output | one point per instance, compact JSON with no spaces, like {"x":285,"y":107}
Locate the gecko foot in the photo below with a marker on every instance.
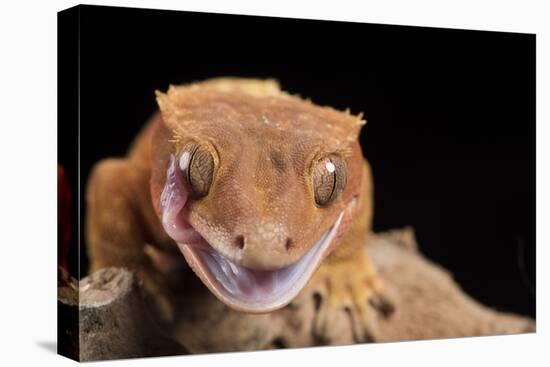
{"x":349,"y":299}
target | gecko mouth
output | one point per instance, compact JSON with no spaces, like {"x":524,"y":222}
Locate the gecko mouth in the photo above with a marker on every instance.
{"x":241,"y":288}
{"x":250,"y":290}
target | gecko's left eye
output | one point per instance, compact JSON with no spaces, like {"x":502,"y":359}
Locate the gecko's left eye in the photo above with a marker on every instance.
{"x":329,"y":179}
{"x":197,"y":169}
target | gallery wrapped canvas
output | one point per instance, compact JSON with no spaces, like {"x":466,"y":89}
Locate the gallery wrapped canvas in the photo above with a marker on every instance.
{"x":237,"y":183}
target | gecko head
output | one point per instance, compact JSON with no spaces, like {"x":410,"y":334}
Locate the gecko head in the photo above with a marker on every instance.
{"x":254,"y":185}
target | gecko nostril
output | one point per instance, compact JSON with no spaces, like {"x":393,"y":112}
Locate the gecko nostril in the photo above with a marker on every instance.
{"x":289,"y":243}
{"x":239,"y":242}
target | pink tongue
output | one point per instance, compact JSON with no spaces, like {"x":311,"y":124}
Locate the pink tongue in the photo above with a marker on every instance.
{"x":172,"y":201}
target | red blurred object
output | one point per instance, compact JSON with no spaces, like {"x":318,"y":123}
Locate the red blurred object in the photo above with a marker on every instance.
{"x":63,"y":217}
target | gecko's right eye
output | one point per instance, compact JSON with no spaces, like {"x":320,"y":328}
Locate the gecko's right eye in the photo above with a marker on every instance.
{"x":196,"y":165}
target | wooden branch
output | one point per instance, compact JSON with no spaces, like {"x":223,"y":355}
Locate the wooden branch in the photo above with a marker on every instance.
{"x":429,"y":303}
{"x":114,"y":321}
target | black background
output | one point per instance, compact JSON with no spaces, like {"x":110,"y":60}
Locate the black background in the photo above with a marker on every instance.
{"x":451,"y":118}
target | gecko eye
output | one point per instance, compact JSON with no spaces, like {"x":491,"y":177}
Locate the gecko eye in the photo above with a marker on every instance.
{"x":329,"y":179}
{"x":197,"y":169}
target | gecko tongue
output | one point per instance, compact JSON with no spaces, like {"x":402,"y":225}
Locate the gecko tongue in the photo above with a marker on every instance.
{"x":242,"y":288}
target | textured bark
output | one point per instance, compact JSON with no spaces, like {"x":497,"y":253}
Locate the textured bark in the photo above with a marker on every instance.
{"x":67,"y":315}
{"x":115,"y":321}
{"x":428,"y":303}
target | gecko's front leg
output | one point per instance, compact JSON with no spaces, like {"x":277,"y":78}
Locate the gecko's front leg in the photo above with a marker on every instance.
{"x":349,"y":298}
{"x":120,"y":223}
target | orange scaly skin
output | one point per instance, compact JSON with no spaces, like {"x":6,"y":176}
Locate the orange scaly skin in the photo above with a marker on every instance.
{"x":263,"y":142}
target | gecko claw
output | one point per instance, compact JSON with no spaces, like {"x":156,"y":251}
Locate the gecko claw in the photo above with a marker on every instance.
{"x":349,"y":301}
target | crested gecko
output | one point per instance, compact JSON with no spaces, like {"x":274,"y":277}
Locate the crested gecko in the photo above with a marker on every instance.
{"x":263,"y":194}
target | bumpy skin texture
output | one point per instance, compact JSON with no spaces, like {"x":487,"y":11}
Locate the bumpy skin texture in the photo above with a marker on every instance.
{"x":263,"y":142}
